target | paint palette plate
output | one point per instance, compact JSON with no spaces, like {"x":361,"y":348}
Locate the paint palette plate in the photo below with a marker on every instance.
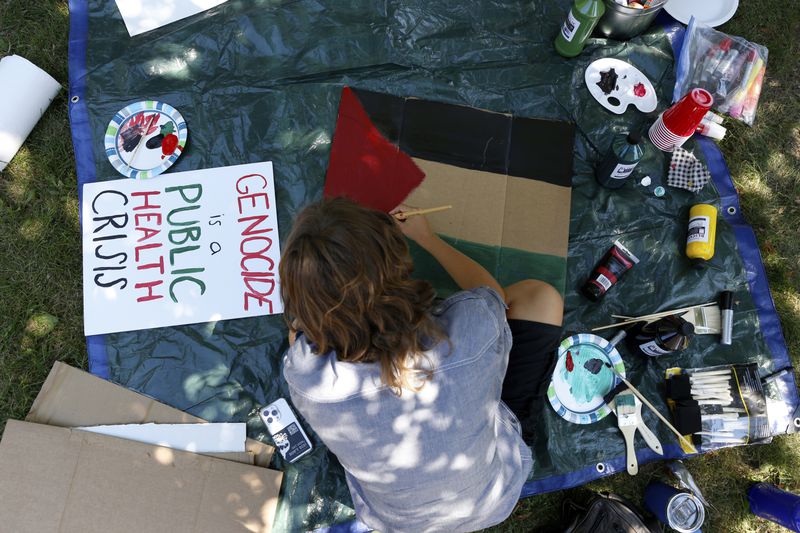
{"x":711,"y":13}
{"x":145,"y":138}
{"x":616,"y":84}
{"x":581,"y":379}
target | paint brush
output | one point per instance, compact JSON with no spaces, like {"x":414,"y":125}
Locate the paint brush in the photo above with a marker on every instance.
{"x":153,"y":117}
{"x":661,"y":417}
{"x":627,"y":422}
{"x":403,"y":215}
{"x":613,"y":342}
{"x":654,"y":316}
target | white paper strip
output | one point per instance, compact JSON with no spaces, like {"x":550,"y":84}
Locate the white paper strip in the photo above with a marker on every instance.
{"x":25,"y":93}
{"x":145,"y":15}
{"x":199,"y":438}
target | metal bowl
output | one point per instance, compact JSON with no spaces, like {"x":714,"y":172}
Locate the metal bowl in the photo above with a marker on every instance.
{"x":622,"y":22}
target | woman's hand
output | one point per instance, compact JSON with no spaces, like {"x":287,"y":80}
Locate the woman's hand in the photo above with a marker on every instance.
{"x":415,"y":228}
{"x":293,"y":332}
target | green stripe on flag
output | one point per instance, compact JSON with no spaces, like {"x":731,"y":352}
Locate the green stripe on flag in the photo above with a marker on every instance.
{"x":508,"y":265}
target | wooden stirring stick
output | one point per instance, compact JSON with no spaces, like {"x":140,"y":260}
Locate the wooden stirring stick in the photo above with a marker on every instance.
{"x":404,"y":215}
{"x":153,"y":117}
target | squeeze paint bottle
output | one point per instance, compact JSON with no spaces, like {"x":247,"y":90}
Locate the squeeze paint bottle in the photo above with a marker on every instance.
{"x":623,"y":156}
{"x":701,"y":234}
{"x":581,"y":20}
{"x":607,"y":272}
{"x":666,"y":335}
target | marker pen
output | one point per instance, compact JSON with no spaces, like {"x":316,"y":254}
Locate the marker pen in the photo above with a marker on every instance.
{"x":726,"y":304}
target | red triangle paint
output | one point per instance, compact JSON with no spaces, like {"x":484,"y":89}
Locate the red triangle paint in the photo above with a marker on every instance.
{"x":363,"y":165}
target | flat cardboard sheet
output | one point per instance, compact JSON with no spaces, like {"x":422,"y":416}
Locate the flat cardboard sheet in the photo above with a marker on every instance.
{"x":72,"y":398}
{"x":197,"y":438}
{"x":72,"y":481}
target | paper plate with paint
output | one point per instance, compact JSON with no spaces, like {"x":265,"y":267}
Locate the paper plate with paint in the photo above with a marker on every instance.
{"x":581,"y":378}
{"x":616,"y":84}
{"x":145,"y":138}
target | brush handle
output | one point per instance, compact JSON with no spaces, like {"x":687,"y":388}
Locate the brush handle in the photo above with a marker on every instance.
{"x":403,"y":215}
{"x":654,"y":316}
{"x":630,"y":451}
{"x":616,"y":339}
{"x":652,"y":408}
{"x":153,"y":117}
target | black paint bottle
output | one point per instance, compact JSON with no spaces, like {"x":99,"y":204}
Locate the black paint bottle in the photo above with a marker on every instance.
{"x":625,"y":153}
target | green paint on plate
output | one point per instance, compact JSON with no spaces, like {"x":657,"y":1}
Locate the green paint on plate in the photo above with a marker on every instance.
{"x":585,"y":386}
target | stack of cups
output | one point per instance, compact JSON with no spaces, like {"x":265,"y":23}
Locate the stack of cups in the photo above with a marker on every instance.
{"x":675,"y":125}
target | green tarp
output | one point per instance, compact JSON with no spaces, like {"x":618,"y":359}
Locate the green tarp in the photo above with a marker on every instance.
{"x":260,"y":80}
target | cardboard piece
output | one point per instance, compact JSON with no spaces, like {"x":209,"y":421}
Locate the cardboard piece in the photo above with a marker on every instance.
{"x":59,"y":479}
{"x":495,"y":209}
{"x":188,"y":247}
{"x":141,"y":16}
{"x":72,"y":398}
{"x":197,"y":438}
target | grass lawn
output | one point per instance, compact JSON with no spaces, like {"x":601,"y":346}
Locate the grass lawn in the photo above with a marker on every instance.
{"x":40,"y":262}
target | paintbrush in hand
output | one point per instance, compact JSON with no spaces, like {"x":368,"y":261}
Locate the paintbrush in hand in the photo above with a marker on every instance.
{"x":403,"y":215}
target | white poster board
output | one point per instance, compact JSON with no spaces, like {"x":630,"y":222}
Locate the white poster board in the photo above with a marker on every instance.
{"x":183,"y":248}
{"x":141,"y":16}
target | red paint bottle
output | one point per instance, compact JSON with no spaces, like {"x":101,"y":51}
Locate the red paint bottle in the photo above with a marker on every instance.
{"x":611,"y":267}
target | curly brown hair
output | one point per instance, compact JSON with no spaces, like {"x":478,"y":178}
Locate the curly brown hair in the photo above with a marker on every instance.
{"x":346,"y":280}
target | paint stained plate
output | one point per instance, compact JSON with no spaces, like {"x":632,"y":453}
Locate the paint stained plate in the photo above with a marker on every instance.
{"x":714,"y":13}
{"x":616,"y":84}
{"x":581,"y":379}
{"x":145,"y":138}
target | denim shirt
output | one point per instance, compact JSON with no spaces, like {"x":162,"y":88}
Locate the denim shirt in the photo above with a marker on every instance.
{"x":447,"y":458}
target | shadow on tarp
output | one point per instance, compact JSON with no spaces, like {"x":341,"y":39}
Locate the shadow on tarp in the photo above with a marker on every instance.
{"x":261,"y":81}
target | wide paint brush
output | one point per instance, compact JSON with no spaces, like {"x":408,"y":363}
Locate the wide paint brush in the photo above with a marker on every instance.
{"x":616,"y":339}
{"x":627,"y":422}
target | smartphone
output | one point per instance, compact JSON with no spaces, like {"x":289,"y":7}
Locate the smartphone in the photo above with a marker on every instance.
{"x":289,"y":437}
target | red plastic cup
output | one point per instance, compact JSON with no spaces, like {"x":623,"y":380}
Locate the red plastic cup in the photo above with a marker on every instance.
{"x":680,"y":121}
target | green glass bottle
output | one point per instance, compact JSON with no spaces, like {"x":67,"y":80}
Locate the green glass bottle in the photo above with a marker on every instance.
{"x":581,"y":20}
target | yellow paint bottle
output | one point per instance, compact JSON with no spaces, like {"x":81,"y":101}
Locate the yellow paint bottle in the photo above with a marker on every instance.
{"x":702,"y":234}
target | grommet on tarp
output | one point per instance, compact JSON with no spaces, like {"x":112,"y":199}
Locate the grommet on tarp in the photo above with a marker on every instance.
{"x":600,"y":467}
{"x":731,"y":210}
{"x":75,"y":99}
{"x":797,"y":422}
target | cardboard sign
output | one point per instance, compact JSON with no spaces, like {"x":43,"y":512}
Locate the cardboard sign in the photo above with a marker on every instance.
{"x":184,"y":248}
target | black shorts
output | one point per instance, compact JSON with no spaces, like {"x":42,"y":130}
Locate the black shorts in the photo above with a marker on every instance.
{"x":530,"y":364}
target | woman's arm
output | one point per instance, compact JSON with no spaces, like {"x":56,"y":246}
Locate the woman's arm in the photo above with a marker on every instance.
{"x":465,"y":272}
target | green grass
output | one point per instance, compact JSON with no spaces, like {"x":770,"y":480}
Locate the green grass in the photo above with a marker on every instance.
{"x":40,"y":262}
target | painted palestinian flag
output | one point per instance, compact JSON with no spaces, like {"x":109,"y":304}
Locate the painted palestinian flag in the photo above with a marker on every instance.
{"x":508,"y":178}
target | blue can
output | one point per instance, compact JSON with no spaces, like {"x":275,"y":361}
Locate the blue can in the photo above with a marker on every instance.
{"x":772,"y":503}
{"x":680,"y":510}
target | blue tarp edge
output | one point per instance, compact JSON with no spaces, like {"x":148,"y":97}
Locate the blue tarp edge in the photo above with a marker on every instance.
{"x":82,"y":143}
{"x":748,"y":250}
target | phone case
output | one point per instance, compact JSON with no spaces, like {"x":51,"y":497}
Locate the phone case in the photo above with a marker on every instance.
{"x":289,"y":437}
